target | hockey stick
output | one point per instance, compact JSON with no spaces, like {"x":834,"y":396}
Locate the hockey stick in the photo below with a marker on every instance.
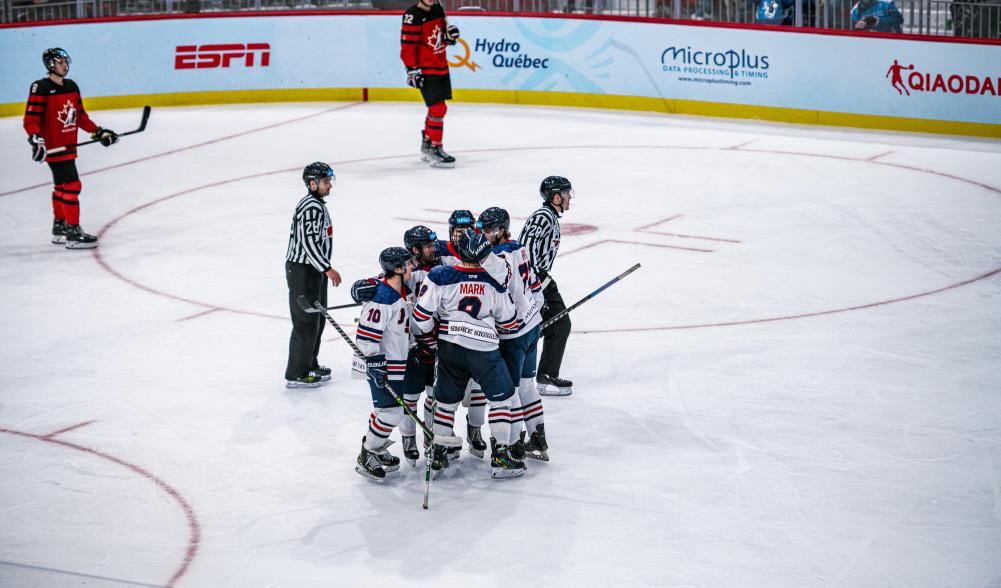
{"x":139,"y":129}
{"x":429,"y":452}
{"x":564,"y":312}
{"x":312,"y":310}
{"x":446,"y":440}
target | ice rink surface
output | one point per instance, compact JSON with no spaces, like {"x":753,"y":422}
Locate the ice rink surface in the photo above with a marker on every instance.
{"x":801,"y":387}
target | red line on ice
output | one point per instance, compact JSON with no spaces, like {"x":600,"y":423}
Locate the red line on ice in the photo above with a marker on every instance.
{"x":195,"y":531}
{"x":68,"y":429}
{"x":190,"y":147}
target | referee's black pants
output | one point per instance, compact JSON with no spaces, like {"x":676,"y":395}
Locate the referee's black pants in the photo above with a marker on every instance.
{"x":555,"y":335}
{"x":307,"y":328}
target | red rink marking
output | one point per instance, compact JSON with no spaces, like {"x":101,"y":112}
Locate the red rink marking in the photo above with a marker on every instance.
{"x":603,"y":241}
{"x":68,"y":429}
{"x":646,"y":229}
{"x":97,"y":253}
{"x":190,"y":147}
{"x":194,"y":528}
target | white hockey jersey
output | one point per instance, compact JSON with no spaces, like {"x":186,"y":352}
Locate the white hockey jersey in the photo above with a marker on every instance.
{"x":524,"y":286}
{"x":384,"y":327}
{"x":469,"y":304}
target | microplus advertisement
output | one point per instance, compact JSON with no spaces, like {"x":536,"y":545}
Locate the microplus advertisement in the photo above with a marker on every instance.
{"x":834,"y":73}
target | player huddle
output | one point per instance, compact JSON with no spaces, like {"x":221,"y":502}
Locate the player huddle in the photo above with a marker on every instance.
{"x":458,"y":320}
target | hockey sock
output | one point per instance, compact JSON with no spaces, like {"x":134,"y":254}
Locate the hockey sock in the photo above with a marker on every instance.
{"x":408,"y":428}
{"x":57,"y":206}
{"x":434,"y":124}
{"x":516,"y":417}
{"x":444,"y":418}
{"x":476,"y":415}
{"x":381,"y":423}
{"x":531,"y":404}
{"x":70,"y":194}
{"x":500,"y":420}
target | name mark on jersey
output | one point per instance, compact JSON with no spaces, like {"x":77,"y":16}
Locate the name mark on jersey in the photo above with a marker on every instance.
{"x":474,"y":289}
{"x":213,"y":56}
{"x":471,"y":331}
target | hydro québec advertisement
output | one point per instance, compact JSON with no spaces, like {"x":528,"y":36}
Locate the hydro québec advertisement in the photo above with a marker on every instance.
{"x":932,"y":80}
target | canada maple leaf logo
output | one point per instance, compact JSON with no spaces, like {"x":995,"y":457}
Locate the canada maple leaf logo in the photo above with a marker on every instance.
{"x":67,"y":115}
{"x":434,"y":39}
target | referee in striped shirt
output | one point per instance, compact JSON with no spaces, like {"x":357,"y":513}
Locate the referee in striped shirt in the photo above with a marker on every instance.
{"x":541,"y":237}
{"x":307,"y":267}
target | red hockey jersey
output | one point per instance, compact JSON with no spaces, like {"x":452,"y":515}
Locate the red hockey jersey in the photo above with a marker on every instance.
{"x":54,"y":112}
{"x":422,"y":40}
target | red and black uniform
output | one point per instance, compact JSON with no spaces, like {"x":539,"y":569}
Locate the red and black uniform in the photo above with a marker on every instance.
{"x":422,"y":45}
{"x":55,"y":112}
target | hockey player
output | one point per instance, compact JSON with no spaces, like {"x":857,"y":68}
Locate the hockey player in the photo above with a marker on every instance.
{"x":423,"y":39}
{"x":474,"y":400}
{"x":421,"y":243}
{"x":518,"y":345}
{"x":470,"y":306}
{"x":383,"y":335}
{"x":52,"y":116}
{"x":541,"y":236}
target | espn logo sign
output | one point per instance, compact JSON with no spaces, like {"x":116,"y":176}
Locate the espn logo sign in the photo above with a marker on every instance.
{"x":210,"y":56}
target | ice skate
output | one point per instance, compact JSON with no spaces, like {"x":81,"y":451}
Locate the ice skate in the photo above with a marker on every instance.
{"x":477,"y":446}
{"x":425,"y":147}
{"x":390,"y":463}
{"x":323,"y":372}
{"x":536,"y":447}
{"x":553,"y":385}
{"x":77,"y":239}
{"x":503,"y":464}
{"x":439,"y":158}
{"x":58,"y":232}
{"x":310,"y":380}
{"x":518,"y":447}
{"x":410,"y":452}
{"x":440,"y":462}
{"x":369,"y":465}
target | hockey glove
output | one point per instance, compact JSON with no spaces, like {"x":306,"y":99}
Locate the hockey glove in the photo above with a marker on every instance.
{"x":425,"y":355}
{"x":38,"y":149}
{"x":474,"y":246}
{"x":364,"y":290}
{"x":415,"y":77}
{"x":375,"y":367}
{"x":871,"y":22}
{"x":105,"y":137}
{"x":451,"y":34}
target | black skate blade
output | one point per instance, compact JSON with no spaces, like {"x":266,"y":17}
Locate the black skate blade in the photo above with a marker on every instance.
{"x":59,"y":240}
{"x":477,"y":452}
{"x":361,"y":471}
{"x":443,"y":164}
{"x":74,"y":245}
{"x":537,"y":456}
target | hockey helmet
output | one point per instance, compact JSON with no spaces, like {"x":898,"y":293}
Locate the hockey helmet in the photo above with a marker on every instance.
{"x":460,"y":218}
{"x":394,"y":258}
{"x":50,"y":56}
{"x":554,"y":185}
{"x":494,"y":218}
{"x":316,"y":171}
{"x":417,"y":236}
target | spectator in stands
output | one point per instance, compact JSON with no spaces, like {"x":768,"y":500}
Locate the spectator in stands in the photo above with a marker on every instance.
{"x":774,"y":12}
{"x":881,"y":16}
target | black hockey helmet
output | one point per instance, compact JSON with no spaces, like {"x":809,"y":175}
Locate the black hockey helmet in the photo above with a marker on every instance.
{"x":460,"y":218}
{"x":316,"y":171}
{"x":393,"y":258}
{"x":494,"y":218}
{"x":554,"y":185}
{"x":50,"y":56}
{"x":472,"y":246}
{"x":417,"y":236}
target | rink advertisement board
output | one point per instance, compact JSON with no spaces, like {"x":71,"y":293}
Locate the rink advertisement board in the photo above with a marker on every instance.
{"x":659,"y":64}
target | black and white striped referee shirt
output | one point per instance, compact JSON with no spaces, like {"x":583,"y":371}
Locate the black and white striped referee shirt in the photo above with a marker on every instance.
{"x":309,"y":236}
{"x":541,"y":237}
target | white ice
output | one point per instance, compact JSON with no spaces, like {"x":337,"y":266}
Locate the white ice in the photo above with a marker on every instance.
{"x":146,"y":437}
